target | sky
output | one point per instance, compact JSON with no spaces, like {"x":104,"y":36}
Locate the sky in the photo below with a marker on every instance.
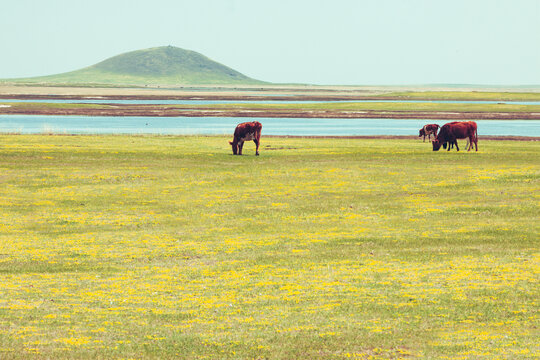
{"x":333,"y":42}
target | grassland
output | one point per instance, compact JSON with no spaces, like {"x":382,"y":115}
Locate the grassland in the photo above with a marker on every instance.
{"x":170,"y":247}
{"x":386,"y":106}
{"x":465,"y":95}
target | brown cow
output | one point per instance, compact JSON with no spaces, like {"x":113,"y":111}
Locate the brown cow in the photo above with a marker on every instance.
{"x":469,"y":143}
{"x":245,"y":132}
{"x":452,"y":131}
{"x":429,"y":129}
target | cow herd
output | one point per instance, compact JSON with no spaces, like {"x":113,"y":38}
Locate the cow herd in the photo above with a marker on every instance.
{"x":446,"y":137}
{"x":450,"y":132}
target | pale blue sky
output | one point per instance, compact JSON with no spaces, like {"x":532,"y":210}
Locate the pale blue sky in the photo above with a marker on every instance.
{"x":350,"y":42}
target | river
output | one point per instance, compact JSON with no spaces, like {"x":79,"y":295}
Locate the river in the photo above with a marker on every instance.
{"x":37,"y":124}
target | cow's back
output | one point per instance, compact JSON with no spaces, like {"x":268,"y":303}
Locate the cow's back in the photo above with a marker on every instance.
{"x":248,"y":129}
{"x":432,"y":128}
{"x":454,"y":130}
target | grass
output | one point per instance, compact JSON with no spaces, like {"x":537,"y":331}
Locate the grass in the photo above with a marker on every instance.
{"x":384,"y":106}
{"x":33,"y":106}
{"x":466,"y":95}
{"x":352,"y":106}
{"x":170,"y":247}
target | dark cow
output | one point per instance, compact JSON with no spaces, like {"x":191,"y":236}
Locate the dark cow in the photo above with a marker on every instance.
{"x":429,"y":129}
{"x":452,"y":131}
{"x":245,"y":132}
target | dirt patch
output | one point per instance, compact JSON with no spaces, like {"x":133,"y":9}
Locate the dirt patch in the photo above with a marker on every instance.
{"x":269,"y":147}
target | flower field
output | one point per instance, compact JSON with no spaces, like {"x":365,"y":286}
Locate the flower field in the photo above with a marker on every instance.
{"x":137,"y":247}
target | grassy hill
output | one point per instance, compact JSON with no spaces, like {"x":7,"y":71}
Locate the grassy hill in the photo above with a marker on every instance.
{"x":165,"y":65}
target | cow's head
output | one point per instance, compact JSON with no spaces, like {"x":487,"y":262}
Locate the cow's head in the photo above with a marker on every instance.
{"x":421,"y":132}
{"x":234,"y":147}
{"x":437,"y":145}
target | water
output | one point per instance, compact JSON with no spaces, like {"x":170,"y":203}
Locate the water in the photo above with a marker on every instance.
{"x":212,"y":102}
{"x":36,"y":124}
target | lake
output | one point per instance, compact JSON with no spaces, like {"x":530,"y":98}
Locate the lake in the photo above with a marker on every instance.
{"x":36,"y":124}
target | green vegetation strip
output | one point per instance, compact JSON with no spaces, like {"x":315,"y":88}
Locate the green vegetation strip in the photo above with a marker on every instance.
{"x":333,"y":106}
{"x":465,"y":95}
{"x":42,"y":105}
{"x":383,"y":106}
{"x":170,"y":247}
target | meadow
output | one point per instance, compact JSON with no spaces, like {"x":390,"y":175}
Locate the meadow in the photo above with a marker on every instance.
{"x":137,"y":247}
{"x":466,"y":95}
{"x":384,"y":106}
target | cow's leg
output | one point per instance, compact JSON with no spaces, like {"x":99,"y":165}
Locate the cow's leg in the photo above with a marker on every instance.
{"x":240,"y":146}
{"x":469,"y":144}
{"x":256,"y":141}
{"x":457,"y":147}
{"x":234,"y":145}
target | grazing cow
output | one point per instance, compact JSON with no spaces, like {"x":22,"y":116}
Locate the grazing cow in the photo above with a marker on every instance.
{"x":429,"y":129}
{"x":452,"y":131}
{"x":245,"y":132}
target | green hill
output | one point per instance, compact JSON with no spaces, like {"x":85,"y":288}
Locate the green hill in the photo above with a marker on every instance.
{"x":166,"y":65}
